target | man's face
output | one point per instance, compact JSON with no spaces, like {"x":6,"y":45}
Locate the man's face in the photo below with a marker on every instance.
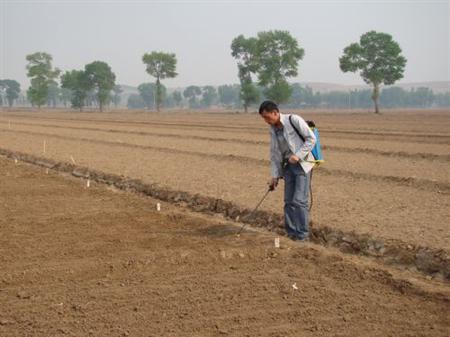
{"x":270,"y":117}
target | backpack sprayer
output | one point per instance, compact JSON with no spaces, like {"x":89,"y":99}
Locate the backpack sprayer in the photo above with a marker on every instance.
{"x":316,"y":152}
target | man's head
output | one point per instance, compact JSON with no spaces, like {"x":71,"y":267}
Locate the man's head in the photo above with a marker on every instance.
{"x":269,"y":111}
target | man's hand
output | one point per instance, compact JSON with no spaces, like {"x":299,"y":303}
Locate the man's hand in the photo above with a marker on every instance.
{"x":294,"y":159}
{"x":273,"y":183}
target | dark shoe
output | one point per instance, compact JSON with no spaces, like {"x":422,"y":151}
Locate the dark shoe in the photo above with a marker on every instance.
{"x":303,"y":237}
{"x":297,"y":238}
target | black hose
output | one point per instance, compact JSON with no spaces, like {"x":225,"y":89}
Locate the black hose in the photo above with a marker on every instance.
{"x":254,"y":210}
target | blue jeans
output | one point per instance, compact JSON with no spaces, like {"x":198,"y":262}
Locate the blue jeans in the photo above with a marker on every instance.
{"x":296,"y":201}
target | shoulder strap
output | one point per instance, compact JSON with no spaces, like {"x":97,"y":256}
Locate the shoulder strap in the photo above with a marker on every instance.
{"x":298,"y":133}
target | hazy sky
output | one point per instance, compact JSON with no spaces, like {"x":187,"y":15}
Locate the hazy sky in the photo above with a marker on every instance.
{"x":200,"y":33}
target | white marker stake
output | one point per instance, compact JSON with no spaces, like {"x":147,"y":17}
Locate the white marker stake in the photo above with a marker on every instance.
{"x":277,"y":242}
{"x":88,"y":183}
{"x":15,"y":160}
{"x":45,"y":143}
{"x":46,"y":171}
{"x":158,"y":207}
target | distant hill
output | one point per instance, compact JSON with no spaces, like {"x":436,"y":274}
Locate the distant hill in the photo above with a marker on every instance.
{"x":437,"y":86}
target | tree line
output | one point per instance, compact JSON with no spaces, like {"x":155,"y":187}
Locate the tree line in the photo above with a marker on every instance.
{"x":264,"y":63}
{"x":96,"y":82}
{"x":391,"y":97}
{"x":194,"y":97}
{"x":229,"y":97}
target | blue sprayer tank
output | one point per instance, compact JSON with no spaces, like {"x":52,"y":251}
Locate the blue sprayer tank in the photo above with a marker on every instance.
{"x":316,"y":151}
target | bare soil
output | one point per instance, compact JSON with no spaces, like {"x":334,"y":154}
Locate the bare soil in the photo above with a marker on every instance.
{"x":78,"y":261}
{"x":386,"y":176}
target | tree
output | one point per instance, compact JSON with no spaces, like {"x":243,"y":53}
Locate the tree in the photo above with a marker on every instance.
{"x":162,"y":92}
{"x":277,"y":57}
{"x":117,"y":90}
{"x":42,"y":74}
{"x":296,"y":99}
{"x":169,"y":102}
{"x":249,"y":93}
{"x":177,"y":97}
{"x":101,"y":79}
{"x":191,"y":94}
{"x":65,"y":95}
{"x":209,"y":96}
{"x":421,"y":97}
{"x":53,"y":94}
{"x":229,"y":95}
{"x":443,"y":99}
{"x":160,"y":65}
{"x":91,"y":96}
{"x":11,"y":89}
{"x":279,"y":92}
{"x":244,"y":51}
{"x":378,"y":58}
{"x":77,"y":81}
{"x":362,"y":98}
{"x":147,"y":93}
{"x":2,"y":93}
{"x":393,"y":97}
{"x":135,"y":102}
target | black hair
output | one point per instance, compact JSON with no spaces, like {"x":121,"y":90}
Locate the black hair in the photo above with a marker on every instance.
{"x":268,"y":106}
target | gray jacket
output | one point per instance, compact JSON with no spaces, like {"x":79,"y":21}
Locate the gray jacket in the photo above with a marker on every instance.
{"x":296,"y":145}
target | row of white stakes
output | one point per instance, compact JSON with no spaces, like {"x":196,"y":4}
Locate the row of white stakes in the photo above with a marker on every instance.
{"x":88,"y":182}
{"x":158,"y":205}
